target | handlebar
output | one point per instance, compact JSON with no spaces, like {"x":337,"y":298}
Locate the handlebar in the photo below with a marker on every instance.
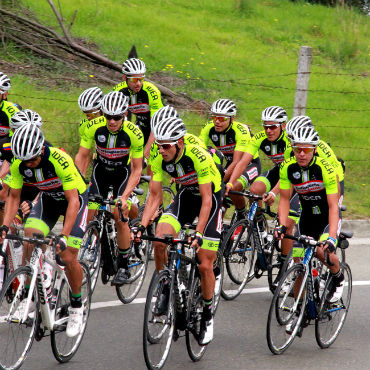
{"x":37,"y":239}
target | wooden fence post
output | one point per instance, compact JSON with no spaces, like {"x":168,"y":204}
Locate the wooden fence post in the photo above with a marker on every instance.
{"x":303,"y":76}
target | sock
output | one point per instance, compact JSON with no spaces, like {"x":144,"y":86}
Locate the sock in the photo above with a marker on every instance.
{"x":207,"y":309}
{"x":76,"y":300}
{"x":123,"y":258}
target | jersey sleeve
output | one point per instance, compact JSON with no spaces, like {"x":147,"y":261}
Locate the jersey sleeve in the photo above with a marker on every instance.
{"x":66,"y":170}
{"x":329,"y":175}
{"x":120,"y":86}
{"x":288,"y":153}
{"x":82,"y":126}
{"x":325,"y":151}
{"x":16,"y":181}
{"x":285,"y":183}
{"x":88,"y":136}
{"x":155,"y":98}
{"x":242,"y":137}
{"x":137,"y":139}
{"x":156,"y":167}
{"x":255,"y":143}
{"x":204,"y":133}
{"x":193,"y":140}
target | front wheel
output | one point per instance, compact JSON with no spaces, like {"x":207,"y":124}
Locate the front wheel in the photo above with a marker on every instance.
{"x":286,"y":310}
{"x":158,"y":326}
{"x":64,"y":347}
{"x":331,"y":316}
{"x":17,"y":328}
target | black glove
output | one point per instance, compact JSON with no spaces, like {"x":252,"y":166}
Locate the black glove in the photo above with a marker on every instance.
{"x":282,"y":229}
{"x":62,"y":241}
{"x":4,"y":228}
{"x":331,"y":243}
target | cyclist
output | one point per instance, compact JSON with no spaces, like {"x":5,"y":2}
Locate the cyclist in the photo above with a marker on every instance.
{"x":7,"y":109}
{"x":231,"y":138}
{"x":194,"y":169}
{"x":89,"y":102}
{"x":315,"y":181}
{"x":323,"y":150}
{"x":63,"y":192}
{"x":119,"y":148}
{"x":144,"y":97}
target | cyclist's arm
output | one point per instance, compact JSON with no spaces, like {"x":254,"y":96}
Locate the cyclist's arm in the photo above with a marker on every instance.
{"x":82,"y":160}
{"x":4,"y":169}
{"x":284,"y":206}
{"x":153,"y":202}
{"x":136,"y":167}
{"x":72,"y":210}
{"x":206,"y":194}
{"x":237,"y":156}
{"x":11,"y":206}
{"x":333,"y":214}
{"x":148,"y":146}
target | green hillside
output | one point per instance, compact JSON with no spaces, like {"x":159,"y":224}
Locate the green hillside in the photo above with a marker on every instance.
{"x":243,"y":50}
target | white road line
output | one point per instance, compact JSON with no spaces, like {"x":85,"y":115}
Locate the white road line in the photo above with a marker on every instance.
{"x":97,"y":305}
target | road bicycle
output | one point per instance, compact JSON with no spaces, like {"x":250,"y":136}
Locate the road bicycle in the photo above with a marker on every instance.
{"x":250,"y":252}
{"x":184,"y":308}
{"x":30,"y":314}
{"x":99,"y":249}
{"x":303,"y":294}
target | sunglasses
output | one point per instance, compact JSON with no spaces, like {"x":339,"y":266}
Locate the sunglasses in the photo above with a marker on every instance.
{"x":305,"y":149}
{"x":135,"y":79}
{"x":165,"y":146}
{"x":271,"y":127}
{"x":32,"y":160}
{"x":108,"y":117}
{"x":220,"y":118}
{"x":92,"y":113}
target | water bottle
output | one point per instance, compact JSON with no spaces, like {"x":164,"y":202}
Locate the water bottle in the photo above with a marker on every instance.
{"x":316,"y":281}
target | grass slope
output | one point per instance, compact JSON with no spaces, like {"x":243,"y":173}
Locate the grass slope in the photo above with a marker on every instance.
{"x":243,"y":50}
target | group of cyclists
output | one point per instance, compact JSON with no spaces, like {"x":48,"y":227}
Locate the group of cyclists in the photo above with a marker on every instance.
{"x":48,"y":183}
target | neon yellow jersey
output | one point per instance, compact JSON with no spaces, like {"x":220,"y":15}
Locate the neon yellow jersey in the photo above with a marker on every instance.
{"x":82,"y":125}
{"x":55,"y":174}
{"x":7,"y":111}
{"x":195,"y":166}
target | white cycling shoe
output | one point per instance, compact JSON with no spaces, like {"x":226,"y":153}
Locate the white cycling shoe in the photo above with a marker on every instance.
{"x":75,"y":321}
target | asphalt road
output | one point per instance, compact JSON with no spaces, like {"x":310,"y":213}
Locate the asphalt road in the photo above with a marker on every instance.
{"x":113,"y":339}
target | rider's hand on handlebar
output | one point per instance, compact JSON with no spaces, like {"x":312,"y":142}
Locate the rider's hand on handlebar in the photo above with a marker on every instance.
{"x":136,"y":233}
{"x":280,"y":231}
{"x":3,"y":231}
{"x":229,"y":186}
{"x":269,"y":198}
{"x":196,"y":240}
{"x":26,"y":207}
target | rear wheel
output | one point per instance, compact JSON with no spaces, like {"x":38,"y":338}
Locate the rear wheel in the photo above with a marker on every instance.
{"x":16,"y":333}
{"x":238,"y":249}
{"x":64,"y":347}
{"x":137,"y":263}
{"x":331,"y":316}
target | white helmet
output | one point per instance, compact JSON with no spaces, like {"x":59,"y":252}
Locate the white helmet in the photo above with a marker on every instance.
{"x":169,"y":129}
{"x":4,"y":83}
{"x":27,"y":142}
{"x":133,"y":66}
{"x":114,"y":104}
{"x":90,"y":99}
{"x":297,"y":122}
{"x":26,"y":116}
{"x":223,"y":107}
{"x":274,"y":114}
{"x":165,"y":112}
{"x":305,"y":135}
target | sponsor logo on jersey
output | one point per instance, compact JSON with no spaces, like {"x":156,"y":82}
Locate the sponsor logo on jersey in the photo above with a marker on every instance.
{"x":170,"y":167}
{"x":277,"y":158}
{"x":102,"y":138}
{"x":153,"y":93}
{"x":297,"y":175}
{"x":4,"y":130}
{"x":61,"y":159}
{"x":139,"y":108}
{"x":48,"y":184}
{"x":112,"y":153}
{"x":28,"y":172}
{"x":199,"y":154}
{"x":309,"y":187}
{"x":135,"y":130}
{"x":252,"y":173}
{"x":190,"y":178}
{"x":214,"y":138}
{"x":227,"y":149}
{"x":267,"y":148}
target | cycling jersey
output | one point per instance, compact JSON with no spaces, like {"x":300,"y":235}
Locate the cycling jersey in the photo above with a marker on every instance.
{"x":235,"y":137}
{"x":113,"y":150}
{"x":55,"y":174}
{"x":7,"y":111}
{"x":82,"y":125}
{"x":194,"y":167}
{"x":312,"y":184}
{"x":323,"y":151}
{"x":273,"y":149}
{"x":6,"y":153}
{"x":143,"y":104}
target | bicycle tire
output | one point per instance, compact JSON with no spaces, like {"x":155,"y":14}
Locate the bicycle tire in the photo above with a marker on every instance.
{"x":158,"y":331}
{"x":274,"y":266}
{"x":281,"y":312}
{"x":64,"y":347}
{"x":331,"y":316}
{"x":14,"y":334}
{"x":90,"y":252}
{"x":193,"y":317}
{"x":138,"y":264}
{"x":239,"y":260}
